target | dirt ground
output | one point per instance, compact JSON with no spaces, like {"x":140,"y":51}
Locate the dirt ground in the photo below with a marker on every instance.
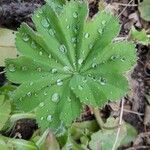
{"x":137,"y":108}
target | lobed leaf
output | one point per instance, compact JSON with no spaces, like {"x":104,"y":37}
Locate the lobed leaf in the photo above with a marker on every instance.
{"x":68,"y":60}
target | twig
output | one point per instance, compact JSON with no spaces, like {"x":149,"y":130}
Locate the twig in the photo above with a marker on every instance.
{"x":125,"y":8}
{"x":120,"y":123}
{"x":128,"y":5}
{"x":133,"y":112}
{"x":2,"y":72}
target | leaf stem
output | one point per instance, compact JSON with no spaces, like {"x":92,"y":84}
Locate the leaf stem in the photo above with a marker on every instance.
{"x":2,"y":72}
{"x":99,"y":120}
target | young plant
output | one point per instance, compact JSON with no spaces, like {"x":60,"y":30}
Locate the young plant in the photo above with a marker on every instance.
{"x":68,"y":61}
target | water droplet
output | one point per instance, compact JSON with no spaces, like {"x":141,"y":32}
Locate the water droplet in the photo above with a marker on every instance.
{"x":102,"y":81}
{"x":62,"y":48}
{"x":40,"y":53}
{"x":87,"y":35}
{"x":114,"y":57}
{"x":33,"y":44}
{"x":42,"y":118}
{"x":89,"y":75}
{"x":25,"y":37}
{"x":49,"y":56}
{"x":75,"y":15}
{"x":55,"y":97}
{"x":80,"y":61}
{"x":39,"y":69}
{"x":103,"y":22}
{"x":24,"y":68}
{"x":68,"y":26}
{"x":45,"y":93}
{"x":45,"y":23}
{"x":73,"y":39}
{"x":94,"y":65}
{"x":123,"y":59}
{"x":90,"y":46}
{"x":31,"y":83}
{"x":69,"y":99}
{"x":59,"y":82}
{"x":84,"y":80}
{"x":52,"y":32}
{"x":54,"y":70}
{"x":75,"y":29}
{"x":80,"y":87}
{"x":100,"y":31}
{"x":41,"y":104}
{"x":11,"y":68}
{"x":49,"y":118}
{"x":29,"y":94}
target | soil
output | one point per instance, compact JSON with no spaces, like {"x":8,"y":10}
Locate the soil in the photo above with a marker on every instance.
{"x":13,"y":13}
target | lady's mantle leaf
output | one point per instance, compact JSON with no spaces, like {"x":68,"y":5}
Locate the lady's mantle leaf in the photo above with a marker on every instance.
{"x":66,"y":61}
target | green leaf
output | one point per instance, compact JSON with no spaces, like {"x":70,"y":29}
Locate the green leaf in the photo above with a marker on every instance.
{"x":67,"y":61}
{"x":7,"y":45}
{"x":16,"y":144}
{"x":5,"y":109}
{"x":71,"y":144}
{"x":140,"y":36}
{"x":144,"y":8}
{"x":105,"y":139}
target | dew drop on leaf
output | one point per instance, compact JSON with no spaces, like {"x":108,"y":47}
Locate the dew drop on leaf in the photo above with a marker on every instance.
{"x":55,"y":97}
{"x":49,"y":118}
{"x":40,"y":53}
{"x":80,"y":87}
{"x":94,"y":65}
{"x":42,"y":118}
{"x":29,"y":94}
{"x":123,"y":59}
{"x":73,"y":39}
{"x":25,"y":37}
{"x":24,"y":68}
{"x":39,"y":69}
{"x":49,"y":56}
{"x":41,"y":104}
{"x":45,"y":93}
{"x":62,"y":48}
{"x":52,"y":32}
{"x":100,"y":31}
{"x":87,"y":35}
{"x":59,"y":82}
{"x":68,"y":26}
{"x":103,"y":22}
{"x":102,"y":81}
{"x":75,"y":15}
{"x":80,"y":61}
{"x":54,"y":70}
{"x":33,"y":44}
{"x":45,"y":23}
{"x":31,"y":83}
{"x":69,"y":99}
{"x":90,"y":46}
{"x":11,"y":68}
{"x":114,"y":57}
